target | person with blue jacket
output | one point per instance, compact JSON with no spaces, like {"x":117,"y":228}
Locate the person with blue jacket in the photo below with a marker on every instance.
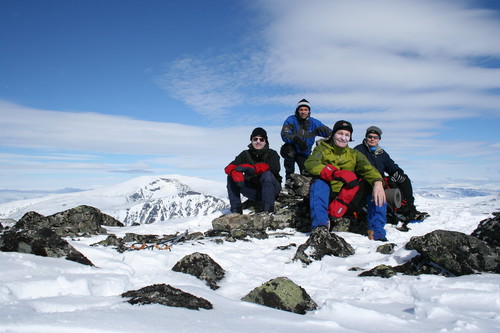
{"x":299,"y":133}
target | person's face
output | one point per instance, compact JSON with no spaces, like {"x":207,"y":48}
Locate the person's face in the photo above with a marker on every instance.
{"x":372,"y":140}
{"x":258,"y":142}
{"x":303,"y":112}
{"x":341,"y":138}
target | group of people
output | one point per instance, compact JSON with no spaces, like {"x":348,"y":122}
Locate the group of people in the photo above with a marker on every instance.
{"x":341,"y":175}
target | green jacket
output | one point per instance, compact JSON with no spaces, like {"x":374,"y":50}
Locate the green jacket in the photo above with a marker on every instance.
{"x":342,"y":158}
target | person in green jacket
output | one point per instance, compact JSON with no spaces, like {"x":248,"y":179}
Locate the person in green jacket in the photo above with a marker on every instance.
{"x":335,"y":166}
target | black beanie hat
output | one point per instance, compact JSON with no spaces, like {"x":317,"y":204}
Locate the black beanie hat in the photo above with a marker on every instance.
{"x":342,"y":125}
{"x":259,"y":131}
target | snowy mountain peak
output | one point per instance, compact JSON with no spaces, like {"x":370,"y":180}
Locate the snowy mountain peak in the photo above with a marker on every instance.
{"x":141,"y":200}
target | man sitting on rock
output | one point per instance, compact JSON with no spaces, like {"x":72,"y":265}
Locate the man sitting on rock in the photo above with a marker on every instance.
{"x":255,"y":173}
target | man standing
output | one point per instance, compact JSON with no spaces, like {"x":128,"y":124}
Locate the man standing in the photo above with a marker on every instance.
{"x":255,"y":173}
{"x":299,"y":133}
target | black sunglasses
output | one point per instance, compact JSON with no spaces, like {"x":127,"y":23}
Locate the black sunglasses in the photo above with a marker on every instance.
{"x":258,"y":139}
{"x":372,"y":136}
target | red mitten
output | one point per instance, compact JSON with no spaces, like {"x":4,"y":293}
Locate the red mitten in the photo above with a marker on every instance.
{"x":347,"y":177}
{"x":260,"y":168}
{"x":238,"y":178}
{"x":230,"y":168}
{"x":327,"y":172}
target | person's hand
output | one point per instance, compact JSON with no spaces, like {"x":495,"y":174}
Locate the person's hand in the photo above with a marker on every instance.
{"x":398,"y":177}
{"x":300,"y":143}
{"x":378,"y":193}
{"x":327,"y":172}
{"x":246,"y":168}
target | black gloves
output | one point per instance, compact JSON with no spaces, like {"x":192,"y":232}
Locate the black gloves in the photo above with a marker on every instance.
{"x":300,"y":143}
{"x":398,"y":176}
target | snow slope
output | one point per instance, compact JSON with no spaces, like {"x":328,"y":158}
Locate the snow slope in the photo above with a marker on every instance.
{"x":40,"y":294}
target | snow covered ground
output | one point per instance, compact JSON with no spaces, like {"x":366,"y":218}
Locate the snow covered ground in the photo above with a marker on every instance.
{"x":39,"y":294}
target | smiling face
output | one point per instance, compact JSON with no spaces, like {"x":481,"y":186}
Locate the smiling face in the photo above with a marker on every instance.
{"x":258,"y":142}
{"x":303,"y":112}
{"x":341,"y":138}
{"x":372,"y":140}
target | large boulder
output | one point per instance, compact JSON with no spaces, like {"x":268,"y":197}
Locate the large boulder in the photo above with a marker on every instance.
{"x":42,"y":242}
{"x":166,"y":295}
{"x":458,"y":253}
{"x":203,"y":267}
{"x":283,"y":294}
{"x":322,"y":243}
{"x":488,"y":230}
{"x":75,"y":222}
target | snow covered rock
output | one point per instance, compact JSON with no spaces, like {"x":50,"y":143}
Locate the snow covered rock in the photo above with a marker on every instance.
{"x":322,"y":243}
{"x":166,"y":295}
{"x":456,"y":252}
{"x":74,"y":222}
{"x":42,"y":242}
{"x":488,"y":230}
{"x":203,"y":267}
{"x":283,"y":294}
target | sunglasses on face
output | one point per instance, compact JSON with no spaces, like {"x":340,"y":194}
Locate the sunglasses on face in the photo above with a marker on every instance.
{"x":372,"y":137}
{"x":258,"y":139}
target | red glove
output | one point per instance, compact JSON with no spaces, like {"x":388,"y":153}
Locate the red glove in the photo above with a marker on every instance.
{"x":338,"y":207}
{"x":230,"y":168}
{"x":260,"y":168}
{"x":347,"y":177}
{"x":237,"y":177}
{"x":327,"y":172}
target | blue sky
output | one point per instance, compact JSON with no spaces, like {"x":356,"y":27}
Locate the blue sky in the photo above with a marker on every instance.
{"x":97,"y":92}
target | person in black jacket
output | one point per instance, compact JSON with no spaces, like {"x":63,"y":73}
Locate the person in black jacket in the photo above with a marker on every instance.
{"x":254,"y":173}
{"x":381,"y":160}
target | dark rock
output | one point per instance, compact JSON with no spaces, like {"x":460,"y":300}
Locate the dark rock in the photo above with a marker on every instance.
{"x":421,"y":265}
{"x":260,"y":221}
{"x":166,"y":295}
{"x":42,"y":242}
{"x":386,"y":248}
{"x":203,"y":267}
{"x":458,"y":253}
{"x":488,"y":230}
{"x":283,"y":294}
{"x":383,"y":271}
{"x":298,"y":185}
{"x":322,"y":243}
{"x":75,"y":222}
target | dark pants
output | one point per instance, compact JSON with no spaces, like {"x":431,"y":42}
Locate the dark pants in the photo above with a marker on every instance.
{"x":291,"y":157}
{"x":266,"y":193}
{"x":409,"y":209}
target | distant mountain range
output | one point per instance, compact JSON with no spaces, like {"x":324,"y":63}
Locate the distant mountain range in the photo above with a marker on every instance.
{"x":141,"y":200}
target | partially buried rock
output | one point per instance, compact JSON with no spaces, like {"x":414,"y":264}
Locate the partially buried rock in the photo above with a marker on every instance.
{"x":488,"y":230}
{"x":42,"y":242}
{"x":283,"y":294}
{"x":322,"y":243}
{"x":166,"y":295}
{"x":383,"y":271}
{"x":203,"y":267}
{"x":75,"y":222}
{"x":456,"y":252}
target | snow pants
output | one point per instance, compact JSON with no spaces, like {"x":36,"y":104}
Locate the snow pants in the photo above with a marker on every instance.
{"x":319,"y":198}
{"x":268,"y":190}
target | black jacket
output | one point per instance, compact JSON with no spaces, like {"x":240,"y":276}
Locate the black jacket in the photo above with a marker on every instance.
{"x":264,"y":155}
{"x":380,"y":159}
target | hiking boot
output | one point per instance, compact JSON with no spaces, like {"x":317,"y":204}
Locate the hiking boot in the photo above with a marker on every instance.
{"x":402,"y":227}
{"x":370,"y":234}
{"x":370,"y":237}
{"x":237,"y":210}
